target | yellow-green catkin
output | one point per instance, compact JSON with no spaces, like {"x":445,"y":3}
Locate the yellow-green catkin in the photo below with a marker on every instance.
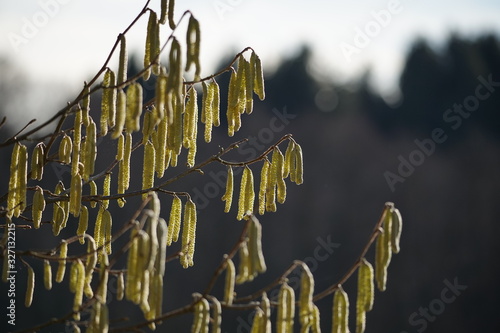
{"x":65,"y":149}
{"x":365,"y":295}
{"x":124,"y":165}
{"x":315,"y":326}
{"x":132,"y":284}
{"x":216,"y":315}
{"x":170,"y":14}
{"x":397,"y":225}
{"x":61,"y":267}
{"x":247,"y":194}
{"x":90,"y":151}
{"x":275,"y":183}
{"x":174,"y":223}
{"x":37,"y":161}
{"x":249,"y":82}
{"x":79,"y":286}
{"x":193,"y":46}
{"x":108,"y":104}
{"x":340,"y":312}
{"x":289,"y":163}
{"x":188,"y":234}
{"x":93,"y":192}
{"x":150,"y":48}
{"x":59,"y":217}
{"x":83,"y":223}
{"x":215,"y":103}
{"x":383,"y":248}
{"x":298,"y":169}
{"x":86,"y":104}
{"x":257,"y":261}
{"x":160,"y":144}
{"x":30,"y":288}
{"x":123,"y":62}
{"x":47,"y":274}
{"x":263,"y":186}
{"x":106,"y":190}
{"x":232,"y":101}
{"x":148,"y":168}
{"x":134,"y":108}
{"x":229,"y":282}
{"x":75,"y":195}
{"x":265,"y":304}
{"x":244,"y":266}
{"x":37,"y":207}
{"x":120,"y":286}
{"x":107,"y":222}
{"x":258,"y":323}
{"x":306,"y":306}
{"x":228,"y":195}
{"x":190,"y":128}
{"x":258,"y":85}
{"x":286,"y":309}
{"x":98,"y":228}
{"x":206,"y":111}
{"x":121,"y":113}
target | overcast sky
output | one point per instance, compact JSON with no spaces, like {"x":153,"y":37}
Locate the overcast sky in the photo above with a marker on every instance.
{"x":68,"y":40}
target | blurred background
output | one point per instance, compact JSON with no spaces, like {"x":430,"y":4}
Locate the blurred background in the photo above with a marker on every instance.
{"x":391,"y":101}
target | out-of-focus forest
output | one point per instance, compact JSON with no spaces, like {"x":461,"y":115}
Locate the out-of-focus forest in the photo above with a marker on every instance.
{"x":434,"y":150}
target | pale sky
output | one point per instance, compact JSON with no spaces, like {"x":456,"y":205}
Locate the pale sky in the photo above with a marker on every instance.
{"x":66,"y":41}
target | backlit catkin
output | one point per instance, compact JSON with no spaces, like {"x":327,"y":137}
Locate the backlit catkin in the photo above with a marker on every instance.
{"x":228,"y":195}
{"x":340,"y":312}
{"x":38,"y":207}
{"x":229,"y":282}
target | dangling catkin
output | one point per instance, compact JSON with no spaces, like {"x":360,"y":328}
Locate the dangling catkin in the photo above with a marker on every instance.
{"x":228,"y":195}
{"x":79,"y":286}
{"x":106,"y":190}
{"x":258,"y":85}
{"x":174,"y":223}
{"x":123,"y":62}
{"x":93,"y":192}
{"x":216,"y":315}
{"x":161,"y":147}
{"x":37,"y":161}
{"x":193,"y":46}
{"x":170,"y":14}
{"x":107,"y":222}
{"x":315,"y":325}
{"x":83,"y":223}
{"x":47,"y":274}
{"x":250,"y":192}
{"x":243,"y":192}
{"x":383,"y":249}
{"x":30,"y":288}
{"x":90,"y":148}
{"x":124,"y":166}
{"x":132,"y":281}
{"x":134,"y":108}
{"x":215,"y":103}
{"x":249,"y":81}
{"x":121,"y":113}
{"x":230,"y":281}
{"x":61,"y":267}
{"x":298,"y":169}
{"x":65,"y":148}
{"x":265,"y":304}
{"x":152,"y":36}
{"x":306,"y":306}
{"x":244,"y":265}
{"x":263,"y":186}
{"x":120,"y":286}
{"x":397,"y":223}
{"x":108,"y":104}
{"x":232,"y":101}
{"x":191,"y":126}
{"x":188,"y":234}
{"x":286,"y":309}
{"x":38,"y":207}
{"x":148,"y":168}
{"x":75,"y":195}
{"x":86,"y":104}
{"x":340,"y":311}
{"x":258,"y":323}
{"x":257,"y":261}
{"x":206,"y":111}
{"x":289,"y":164}
{"x":364,"y":301}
